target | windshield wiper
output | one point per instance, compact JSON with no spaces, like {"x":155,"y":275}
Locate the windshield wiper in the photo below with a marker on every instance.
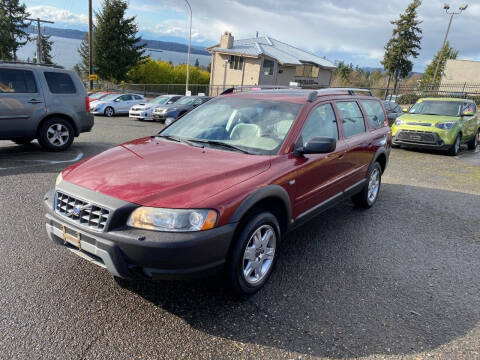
{"x":179,"y":139}
{"x":221,"y":143}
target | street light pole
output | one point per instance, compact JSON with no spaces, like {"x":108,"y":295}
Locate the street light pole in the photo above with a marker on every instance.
{"x":189,"y":45}
{"x":447,"y":7}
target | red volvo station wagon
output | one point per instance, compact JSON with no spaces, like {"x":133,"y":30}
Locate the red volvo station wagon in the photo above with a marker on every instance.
{"x":219,"y":188}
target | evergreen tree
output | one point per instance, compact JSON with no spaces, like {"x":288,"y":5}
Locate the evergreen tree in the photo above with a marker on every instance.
{"x":46,"y":46}
{"x":404,"y":44}
{"x":117,"y":48}
{"x":82,"y":66}
{"x":12,"y":28}
{"x":197,"y":63}
{"x":445,"y":53}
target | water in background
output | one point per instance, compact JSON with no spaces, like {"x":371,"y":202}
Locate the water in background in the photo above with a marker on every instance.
{"x":65,"y":53}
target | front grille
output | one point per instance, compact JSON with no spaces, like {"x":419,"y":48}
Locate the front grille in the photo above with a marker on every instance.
{"x":417,"y":136}
{"x":81,"y":212}
{"x":419,"y":124}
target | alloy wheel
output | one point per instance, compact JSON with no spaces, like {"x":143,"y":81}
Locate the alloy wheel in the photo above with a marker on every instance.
{"x":259,"y":253}
{"x":373,"y":185}
{"x":58,"y":134}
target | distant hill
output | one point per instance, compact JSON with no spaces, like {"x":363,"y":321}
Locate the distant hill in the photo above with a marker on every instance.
{"x":152,"y":44}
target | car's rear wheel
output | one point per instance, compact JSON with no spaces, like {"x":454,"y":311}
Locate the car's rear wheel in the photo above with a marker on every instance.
{"x":109,"y":112}
{"x":472,"y":144}
{"x":369,"y":194}
{"x":254,"y":254}
{"x":23,"y":141}
{"x":455,"y":149}
{"x":56,"y":134}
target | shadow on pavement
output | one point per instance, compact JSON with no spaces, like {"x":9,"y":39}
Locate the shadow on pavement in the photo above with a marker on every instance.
{"x":353,"y":282}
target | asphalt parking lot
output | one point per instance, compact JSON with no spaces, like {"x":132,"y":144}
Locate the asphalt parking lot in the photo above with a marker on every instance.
{"x":400,"y":280}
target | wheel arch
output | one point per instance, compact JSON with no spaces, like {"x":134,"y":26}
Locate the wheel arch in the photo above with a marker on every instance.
{"x":381,"y":156}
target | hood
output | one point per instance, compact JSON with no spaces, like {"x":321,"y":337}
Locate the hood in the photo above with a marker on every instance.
{"x":161,"y":173}
{"x":432,"y":119}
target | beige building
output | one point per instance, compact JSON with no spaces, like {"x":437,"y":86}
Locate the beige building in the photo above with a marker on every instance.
{"x":461,"y":72}
{"x":264,"y":61}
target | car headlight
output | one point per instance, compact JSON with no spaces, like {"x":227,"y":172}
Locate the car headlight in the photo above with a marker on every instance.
{"x":446,"y":125}
{"x":59,"y":179}
{"x":173,"y":220}
{"x":398,"y":122}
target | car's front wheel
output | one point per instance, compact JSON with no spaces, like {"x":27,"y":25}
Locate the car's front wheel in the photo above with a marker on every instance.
{"x":472,"y":144}
{"x":109,"y":112}
{"x":56,"y":134}
{"x":254,"y":253}
{"x":369,"y":194}
{"x":455,"y":149}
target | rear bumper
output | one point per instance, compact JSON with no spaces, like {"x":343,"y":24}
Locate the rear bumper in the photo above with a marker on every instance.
{"x":135,"y":253}
{"x":86,"y":124}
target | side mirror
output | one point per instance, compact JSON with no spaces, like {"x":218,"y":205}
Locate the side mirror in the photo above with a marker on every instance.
{"x":405,"y":109}
{"x":117,"y":100}
{"x":317,"y":145}
{"x":467,"y":112}
{"x":169,"y":102}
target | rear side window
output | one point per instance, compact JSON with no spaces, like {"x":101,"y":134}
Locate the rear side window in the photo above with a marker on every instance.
{"x":59,"y":83}
{"x":17,"y":81}
{"x":321,"y":122}
{"x":352,"y":118}
{"x":374,"y":111}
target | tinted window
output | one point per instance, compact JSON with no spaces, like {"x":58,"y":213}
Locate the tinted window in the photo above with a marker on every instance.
{"x":59,"y":83}
{"x":17,"y":81}
{"x":321,"y":122}
{"x":137,"y":97}
{"x":125,"y":97}
{"x":374,"y":111}
{"x":352,"y":118}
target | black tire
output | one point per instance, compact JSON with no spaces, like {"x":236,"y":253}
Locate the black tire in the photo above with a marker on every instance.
{"x":65,"y":131}
{"x":23,"y":141}
{"x":472,"y":144}
{"x":235,"y":264}
{"x":109,"y":111}
{"x":455,"y":149}
{"x":363,"y":198}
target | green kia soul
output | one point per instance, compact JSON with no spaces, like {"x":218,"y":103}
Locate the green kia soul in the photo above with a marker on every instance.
{"x":438,"y":123}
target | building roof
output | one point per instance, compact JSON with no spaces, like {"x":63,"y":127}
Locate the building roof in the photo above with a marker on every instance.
{"x":285,"y":54}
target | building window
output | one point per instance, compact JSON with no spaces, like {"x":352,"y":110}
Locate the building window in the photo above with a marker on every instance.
{"x":268,"y":66}
{"x":310,"y":71}
{"x":236,"y":62}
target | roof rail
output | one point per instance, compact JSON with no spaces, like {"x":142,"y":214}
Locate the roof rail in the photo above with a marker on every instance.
{"x":255,"y":87}
{"x":336,"y":91}
{"x":29,"y":63}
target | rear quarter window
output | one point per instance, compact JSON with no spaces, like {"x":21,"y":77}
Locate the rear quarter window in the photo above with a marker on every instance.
{"x":375,"y":113}
{"x":17,"y":81}
{"x":59,"y":83}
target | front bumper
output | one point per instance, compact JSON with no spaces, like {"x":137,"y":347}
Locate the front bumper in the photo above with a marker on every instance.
{"x":421,"y":139}
{"x":159,"y":116}
{"x":140,"y":115}
{"x":133,"y":253}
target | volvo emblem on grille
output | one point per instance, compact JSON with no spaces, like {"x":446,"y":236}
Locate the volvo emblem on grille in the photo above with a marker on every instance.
{"x":78,"y":209}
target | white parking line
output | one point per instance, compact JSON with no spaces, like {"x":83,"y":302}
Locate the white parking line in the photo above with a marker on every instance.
{"x":44,"y":162}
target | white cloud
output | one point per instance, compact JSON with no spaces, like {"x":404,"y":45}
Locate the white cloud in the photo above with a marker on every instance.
{"x":57,"y":15}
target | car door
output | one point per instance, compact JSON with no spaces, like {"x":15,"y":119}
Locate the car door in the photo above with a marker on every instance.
{"x":123,"y":105}
{"x":358,"y":141}
{"x":318,"y":175}
{"x":20,"y":102}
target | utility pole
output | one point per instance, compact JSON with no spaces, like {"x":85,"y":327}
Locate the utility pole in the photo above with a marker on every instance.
{"x":189,"y":44}
{"x":39,"y":37}
{"x":90,"y":43}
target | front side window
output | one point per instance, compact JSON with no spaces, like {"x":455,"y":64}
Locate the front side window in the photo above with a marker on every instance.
{"x":59,"y":83}
{"x":352,"y":118}
{"x":375,"y":113}
{"x":253,"y":125}
{"x":320,"y":123}
{"x":17,"y":81}
{"x":186,"y":100}
{"x":268,"y":66}
{"x":236,"y":62}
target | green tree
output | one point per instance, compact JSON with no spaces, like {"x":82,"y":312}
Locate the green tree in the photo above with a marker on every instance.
{"x":46,"y":45}
{"x":445,"y":53}
{"x":82,"y":66}
{"x":404,"y":44}
{"x":197,"y":63}
{"x":12,"y":28}
{"x":116,"y":46}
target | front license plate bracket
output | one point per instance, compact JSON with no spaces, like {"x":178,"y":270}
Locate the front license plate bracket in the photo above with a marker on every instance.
{"x":71,"y":239}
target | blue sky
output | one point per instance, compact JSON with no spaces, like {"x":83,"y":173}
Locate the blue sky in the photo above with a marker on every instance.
{"x":350,"y":30}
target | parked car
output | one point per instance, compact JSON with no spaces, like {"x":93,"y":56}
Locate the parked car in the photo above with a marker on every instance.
{"x":115,"y":104}
{"x":220,"y":187}
{"x":393,"y":97}
{"x":99,"y":95}
{"x":47,"y":103}
{"x":180,"y":108}
{"x":438,"y":123}
{"x":393,"y":110}
{"x":144,"y":111}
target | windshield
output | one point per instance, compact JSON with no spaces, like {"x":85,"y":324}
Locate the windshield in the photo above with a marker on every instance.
{"x":187,"y":100}
{"x":160,"y":100}
{"x":437,"y":107}
{"x":97,"y":95}
{"x":253,"y":125}
{"x":110,"y":97}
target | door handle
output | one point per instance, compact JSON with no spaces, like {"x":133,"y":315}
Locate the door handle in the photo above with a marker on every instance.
{"x":34,"y":101}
